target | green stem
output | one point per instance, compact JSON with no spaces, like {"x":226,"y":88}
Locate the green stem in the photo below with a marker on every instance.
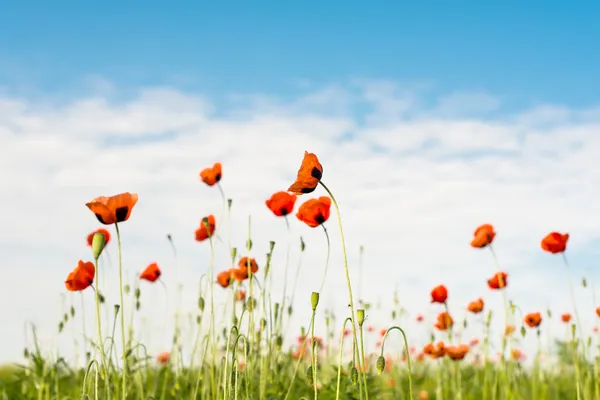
{"x":347,"y":271}
{"x":408,"y":362}
{"x":122,"y":310}
{"x":339,"y":374}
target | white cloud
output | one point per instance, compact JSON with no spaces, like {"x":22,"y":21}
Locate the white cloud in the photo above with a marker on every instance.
{"x":413,"y":203}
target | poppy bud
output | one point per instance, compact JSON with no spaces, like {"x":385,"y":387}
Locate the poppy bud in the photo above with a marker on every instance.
{"x":249,"y":244}
{"x":263,"y":324}
{"x":354,"y":376}
{"x":101,"y":298}
{"x":584,"y":282}
{"x":314,"y":300}
{"x":394,"y":314}
{"x":233,"y":253}
{"x":138,"y":305}
{"x":279,"y":341}
{"x":250,"y":304}
{"x":276,"y":311}
{"x":380,"y":364}
{"x":229,"y":201}
{"x":61,"y":326}
{"x":98,"y":243}
{"x":201,"y":303}
{"x":271,"y":246}
{"x":549,"y":313}
{"x":72,"y":311}
{"x":290,"y":310}
{"x":198,"y":319}
{"x":137,"y":293}
{"x":302,"y":245}
{"x":309,"y":376}
{"x":66,"y":317}
{"x":360,"y":316}
{"x":573,"y":329}
{"x":127,"y":289}
{"x":26,"y":353}
{"x":523,"y":331}
{"x":117,"y":308}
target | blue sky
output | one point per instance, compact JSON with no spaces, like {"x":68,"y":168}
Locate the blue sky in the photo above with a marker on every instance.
{"x":529,"y":53}
{"x":477,"y":113}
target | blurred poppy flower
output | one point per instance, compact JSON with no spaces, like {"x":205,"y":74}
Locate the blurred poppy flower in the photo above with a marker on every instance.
{"x":439,"y":294}
{"x":281,"y":203}
{"x":315,"y":212}
{"x":246,"y":262}
{"x":476,"y":306}
{"x":444,"y":321}
{"x":81,"y":277}
{"x":566,"y":318}
{"x":555,"y":242}
{"x":533,"y":320}
{"x":151,"y":273}
{"x":224,"y":278}
{"x":498,"y":281}
{"x":163,"y":358}
{"x":203,"y":233}
{"x":483,"y":236}
{"x":309,"y":175}
{"x":240,"y":295}
{"x":113,"y":209}
{"x":457,"y":352}
{"x":212,"y":175}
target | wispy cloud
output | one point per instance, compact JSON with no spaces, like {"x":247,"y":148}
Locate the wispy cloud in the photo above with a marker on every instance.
{"x":413,"y":183}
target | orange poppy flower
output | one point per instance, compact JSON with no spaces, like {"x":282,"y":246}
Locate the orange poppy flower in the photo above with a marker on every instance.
{"x":103,"y":231}
{"x":423,"y":395}
{"x":382,"y":332}
{"x":224,"y":278}
{"x":457,"y":352}
{"x":517,"y":355}
{"x":113,"y":209}
{"x":202,"y":233}
{"x":81,"y":277}
{"x":476,"y":306}
{"x":483,"y":236}
{"x":212,"y":175}
{"x":420,"y":318}
{"x":239,"y":274}
{"x":444,"y":321}
{"x":245,"y":262}
{"x":240,"y":295}
{"x":498,"y":281}
{"x":151,"y":273}
{"x":533,"y":320}
{"x":435,"y":351}
{"x":598,"y":311}
{"x":509,"y":330}
{"x":555,"y":242}
{"x":474,"y":342}
{"x":439,"y":294}
{"x":566,"y":318}
{"x":315,"y":212}
{"x":281,"y":203}
{"x":309,"y":175}
{"x":163,"y":358}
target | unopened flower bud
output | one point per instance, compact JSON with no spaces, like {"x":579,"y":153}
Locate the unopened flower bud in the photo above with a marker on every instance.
{"x":360,"y":317}
{"x":314,"y":300}
{"x":380,"y":364}
{"x":98,"y":243}
{"x":354,"y":376}
{"x":309,"y":376}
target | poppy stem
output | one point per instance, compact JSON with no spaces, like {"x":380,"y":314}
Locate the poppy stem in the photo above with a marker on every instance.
{"x":326,"y":259}
{"x":339,"y":373}
{"x":287,"y":267}
{"x":583,"y":346}
{"x":122,"y":311}
{"x":406,"y":350}
{"x":347,"y":271}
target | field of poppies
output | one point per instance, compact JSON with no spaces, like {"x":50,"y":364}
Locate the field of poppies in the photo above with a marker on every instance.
{"x":243,"y":354}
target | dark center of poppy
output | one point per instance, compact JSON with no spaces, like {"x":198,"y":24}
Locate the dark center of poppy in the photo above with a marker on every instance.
{"x":316,"y":173}
{"x":217,"y":177}
{"x":284,"y":211}
{"x":307,"y":190}
{"x":157,"y":273}
{"x":100,"y":219}
{"x":121,"y":213}
{"x":319,"y":218}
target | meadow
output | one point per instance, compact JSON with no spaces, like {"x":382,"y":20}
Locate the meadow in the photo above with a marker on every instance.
{"x":242,"y":353}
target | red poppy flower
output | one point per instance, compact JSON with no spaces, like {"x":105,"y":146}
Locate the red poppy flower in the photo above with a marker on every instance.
{"x":439,"y":294}
{"x":315,"y":212}
{"x":246,"y":262}
{"x":202,"y":233}
{"x":81,"y":277}
{"x":163,"y":358}
{"x":444,"y":321}
{"x":498,"y":281}
{"x":483,"y":236}
{"x":281,"y":203}
{"x":151,"y":273}
{"x":555,"y":242}
{"x":476,"y":306}
{"x":211,"y":176}
{"x":113,"y":209}
{"x":309,"y":175}
{"x":533,"y":320}
{"x":566,"y":318}
{"x":224,"y":278}
{"x":103,"y":231}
